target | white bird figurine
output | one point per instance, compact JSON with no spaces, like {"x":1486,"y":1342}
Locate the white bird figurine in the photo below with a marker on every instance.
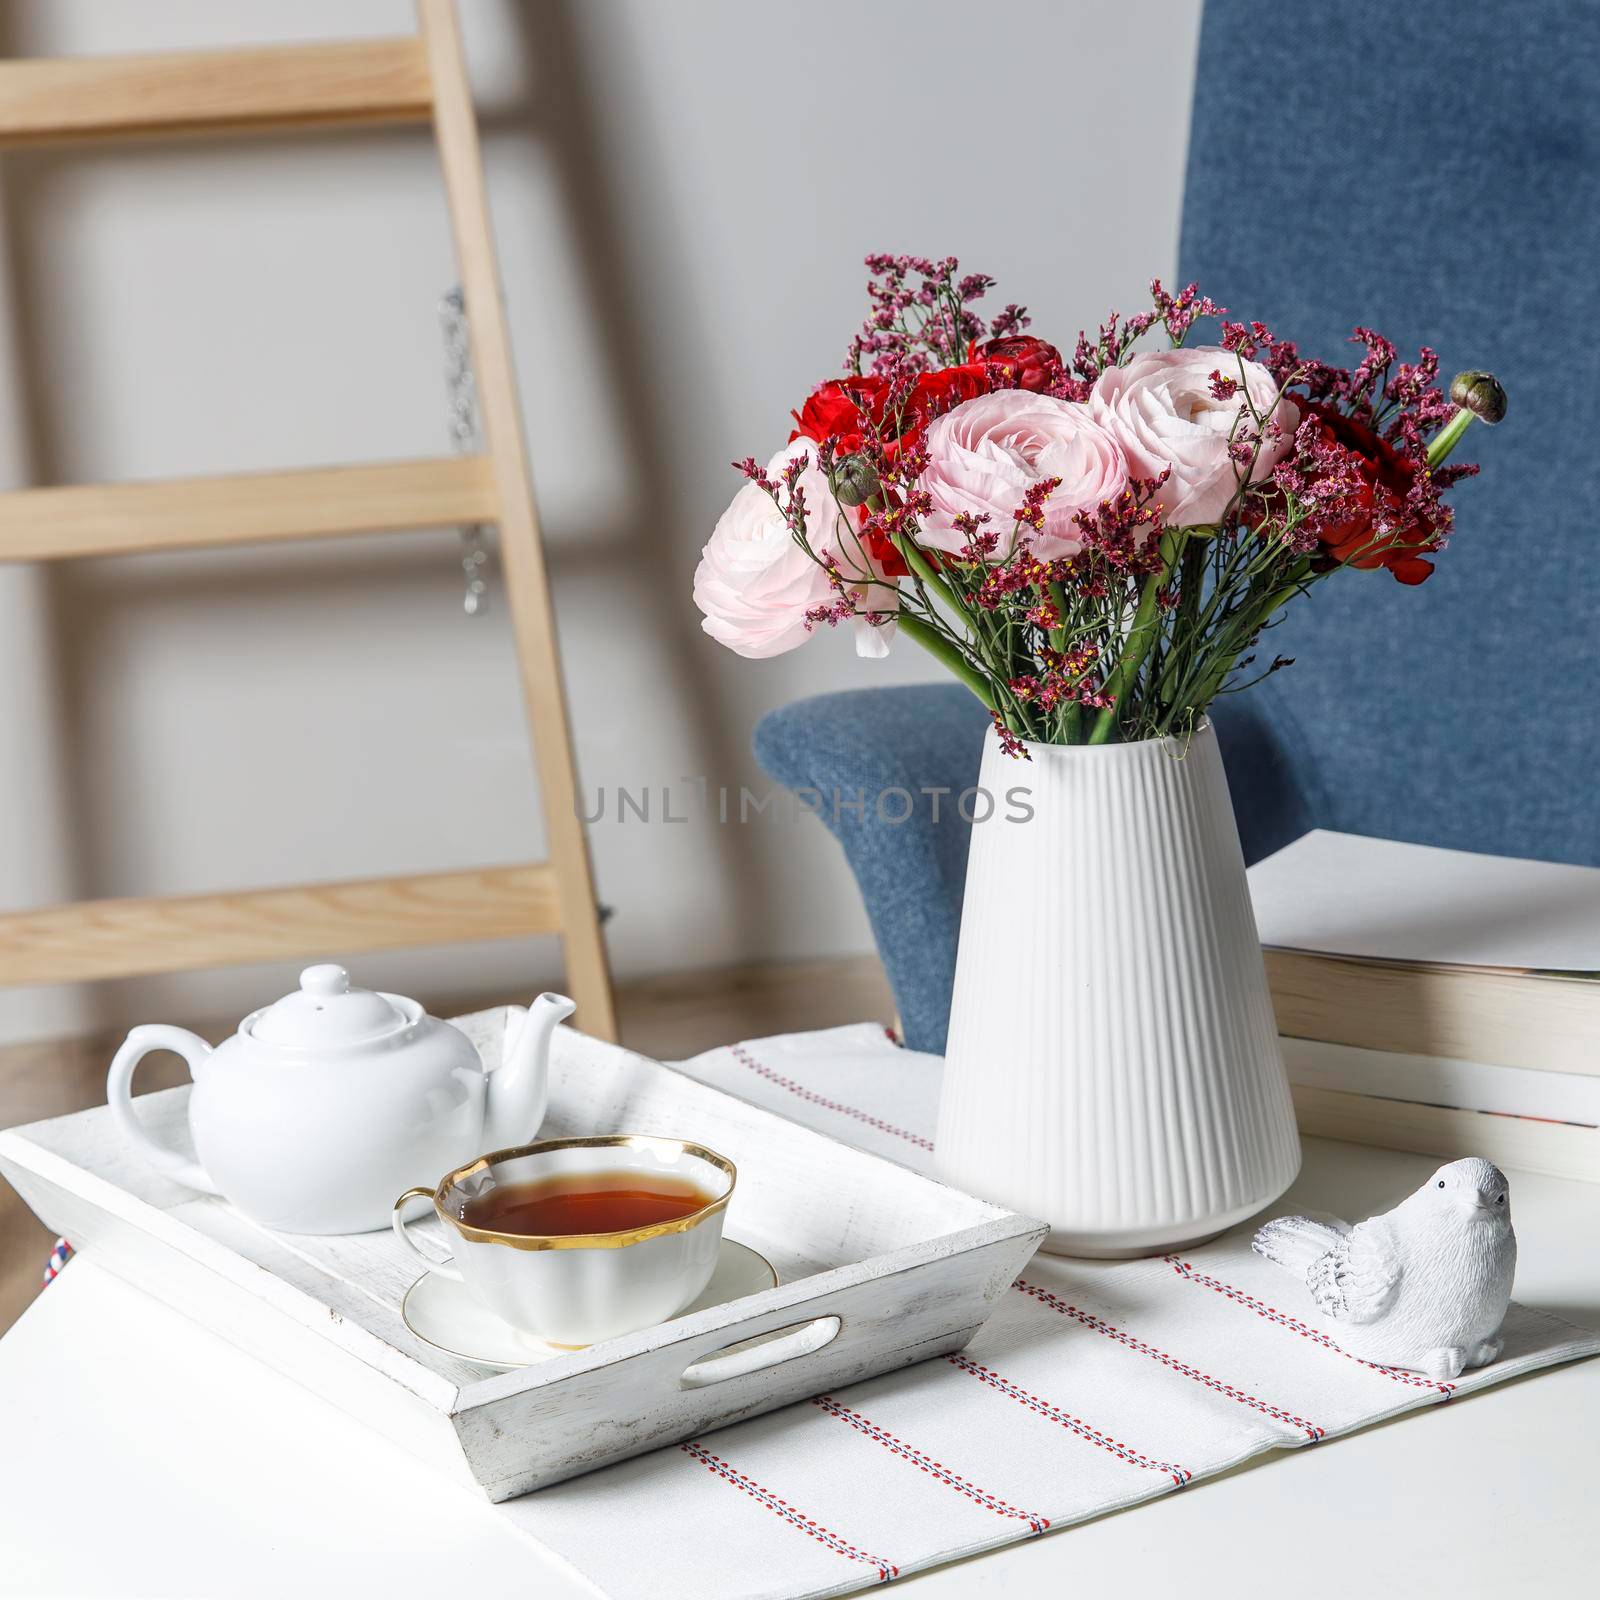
{"x":1424,"y":1286}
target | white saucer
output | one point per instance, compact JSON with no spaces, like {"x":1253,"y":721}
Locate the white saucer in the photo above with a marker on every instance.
{"x":442,"y":1312}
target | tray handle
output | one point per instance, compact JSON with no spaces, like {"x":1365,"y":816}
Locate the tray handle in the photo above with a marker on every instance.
{"x":765,"y":1350}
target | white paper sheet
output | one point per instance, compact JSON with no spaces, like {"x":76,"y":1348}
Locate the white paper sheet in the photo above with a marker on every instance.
{"x":1341,"y":894}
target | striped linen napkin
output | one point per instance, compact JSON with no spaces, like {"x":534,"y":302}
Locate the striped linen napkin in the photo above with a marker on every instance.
{"x":1094,"y":1386}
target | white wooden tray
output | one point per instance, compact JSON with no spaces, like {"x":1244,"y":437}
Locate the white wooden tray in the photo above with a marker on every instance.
{"x":878,"y":1266}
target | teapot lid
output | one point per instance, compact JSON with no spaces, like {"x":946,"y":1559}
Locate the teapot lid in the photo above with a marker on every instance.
{"x":326,"y":1011}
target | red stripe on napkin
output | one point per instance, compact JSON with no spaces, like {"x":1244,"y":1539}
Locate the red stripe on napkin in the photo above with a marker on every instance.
{"x":1056,"y":1303}
{"x":745,"y":1059}
{"x":781,"y":1508}
{"x":1187,"y":1269}
{"x":926,"y":1463}
{"x":1179,"y":1475}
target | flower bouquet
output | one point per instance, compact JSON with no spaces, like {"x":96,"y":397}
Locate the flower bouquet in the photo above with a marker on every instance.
{"x":1095,"y":546}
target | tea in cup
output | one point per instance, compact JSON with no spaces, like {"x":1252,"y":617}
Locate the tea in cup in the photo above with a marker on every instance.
{"x":577,"y":1240}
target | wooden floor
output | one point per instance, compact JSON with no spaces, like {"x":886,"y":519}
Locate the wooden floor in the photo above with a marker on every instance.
{"x":669,"y":1017}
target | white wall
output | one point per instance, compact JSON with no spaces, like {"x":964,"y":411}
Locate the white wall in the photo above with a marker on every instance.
{"x":683,"y":193}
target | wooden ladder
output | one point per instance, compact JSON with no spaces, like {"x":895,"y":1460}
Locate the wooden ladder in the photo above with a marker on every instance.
{"x":416,"y":78}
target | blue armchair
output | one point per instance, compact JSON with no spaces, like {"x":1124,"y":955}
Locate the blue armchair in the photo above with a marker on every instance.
{"x":1435,"y":171}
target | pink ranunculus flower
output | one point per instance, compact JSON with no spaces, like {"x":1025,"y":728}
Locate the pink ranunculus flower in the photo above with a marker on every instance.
{"x":985,"y":454}
{"x":1168,"y":412}
{"x":755,"y":584}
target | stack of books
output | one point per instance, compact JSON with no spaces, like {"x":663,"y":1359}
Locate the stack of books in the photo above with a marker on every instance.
{"x":1437,"y":1001}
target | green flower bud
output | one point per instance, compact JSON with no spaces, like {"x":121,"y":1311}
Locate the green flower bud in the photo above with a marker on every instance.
{"x":857,"y":483}
{"x":1481,"y":394}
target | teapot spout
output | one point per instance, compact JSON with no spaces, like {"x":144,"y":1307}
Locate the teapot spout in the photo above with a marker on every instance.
{"x":519,"y":1088}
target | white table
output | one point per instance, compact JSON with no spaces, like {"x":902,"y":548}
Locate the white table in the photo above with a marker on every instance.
{"x":141,"y":1455}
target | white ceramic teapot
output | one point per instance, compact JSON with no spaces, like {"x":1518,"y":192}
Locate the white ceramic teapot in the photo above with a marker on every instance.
{"x":329,"y":1102}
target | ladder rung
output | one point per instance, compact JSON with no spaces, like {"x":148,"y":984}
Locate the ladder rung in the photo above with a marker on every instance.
{"x":214,"y":91}
{"x":132,"y":938}
{"x":181,"y":513}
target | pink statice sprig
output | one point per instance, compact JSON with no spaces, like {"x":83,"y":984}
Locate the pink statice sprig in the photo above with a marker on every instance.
{"x":1117,"y":336}
{"x":919,"y":315}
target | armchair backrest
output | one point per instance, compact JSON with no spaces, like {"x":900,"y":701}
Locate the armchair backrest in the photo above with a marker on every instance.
{"x":1432,"y":170}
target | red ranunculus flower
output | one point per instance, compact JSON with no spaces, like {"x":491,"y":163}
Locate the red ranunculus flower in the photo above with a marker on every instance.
{"x":938,"y":392}
{"x":841,"y":409}
{"x":838,"y":409}
{"x":1348,"y":534}
{"x":1019,"y":362}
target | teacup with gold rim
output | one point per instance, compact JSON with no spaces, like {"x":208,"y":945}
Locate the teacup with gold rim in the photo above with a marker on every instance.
{"x":576,"y":1240}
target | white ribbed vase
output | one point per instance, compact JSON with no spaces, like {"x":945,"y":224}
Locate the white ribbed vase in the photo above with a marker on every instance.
{"x":1113,"y":1064}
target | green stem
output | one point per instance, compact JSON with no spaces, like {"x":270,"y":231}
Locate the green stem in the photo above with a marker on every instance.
{"x":1448,"y":437}
{"x":1015,"y":713}
{"x":948,"y":656}
{"x":1058,"y":634}
{"x":1224,"y":586}
{"x":1211,"y":686}
{"x":1185,"y":629}
{"x":926,"y":571}
{"x":1141,"y":635}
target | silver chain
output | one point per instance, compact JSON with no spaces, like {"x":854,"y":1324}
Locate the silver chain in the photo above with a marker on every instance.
{"x":461,"y":397}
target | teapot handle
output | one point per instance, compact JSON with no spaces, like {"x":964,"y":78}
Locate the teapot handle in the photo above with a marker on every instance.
{"x":119,"y":1096}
